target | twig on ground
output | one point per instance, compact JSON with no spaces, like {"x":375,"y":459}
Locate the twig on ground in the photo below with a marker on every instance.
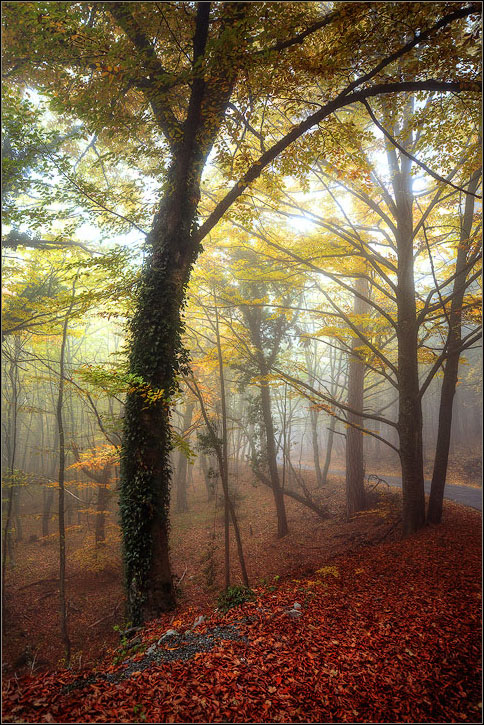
{"x":182,"y":577}
{"x":108,"y":616}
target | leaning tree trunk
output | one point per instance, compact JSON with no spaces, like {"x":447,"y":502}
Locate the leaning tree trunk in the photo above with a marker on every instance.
{"x":282,"y":527}
{"x":355,"y":469}
{"x":270,"y":438}
{"x":329,"y":451}
{"x":434,"y":513}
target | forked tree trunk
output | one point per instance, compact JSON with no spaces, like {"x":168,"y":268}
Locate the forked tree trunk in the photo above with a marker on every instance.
{"x":253,"y":320}
{"x":434,"y":513}
{"x":313,"y":414}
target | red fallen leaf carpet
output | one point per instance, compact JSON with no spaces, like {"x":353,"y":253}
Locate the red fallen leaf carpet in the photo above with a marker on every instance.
{"x":391,"y":633}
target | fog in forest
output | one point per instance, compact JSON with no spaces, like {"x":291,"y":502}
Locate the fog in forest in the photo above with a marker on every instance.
{"x":241,"y":331}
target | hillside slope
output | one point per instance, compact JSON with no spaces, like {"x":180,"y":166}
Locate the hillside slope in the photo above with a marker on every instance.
{"x":387,"y":634}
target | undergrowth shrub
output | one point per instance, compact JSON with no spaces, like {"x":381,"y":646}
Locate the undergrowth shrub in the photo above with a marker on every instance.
{"x":233,"y":597}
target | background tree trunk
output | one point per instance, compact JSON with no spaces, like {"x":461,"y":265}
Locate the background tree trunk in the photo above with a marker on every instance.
{"x":434,"y":513}
{"x":355,"y":469}
{"x":182,"y":466}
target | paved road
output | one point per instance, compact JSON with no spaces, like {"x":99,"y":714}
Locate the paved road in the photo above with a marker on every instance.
{"x":465,"y":495}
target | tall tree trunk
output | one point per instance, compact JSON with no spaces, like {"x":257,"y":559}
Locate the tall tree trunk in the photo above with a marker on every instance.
{"x":60,"y":479}
{"x":282,"y":527}
{"x":182,"y":465}
{"x":355,"y":469}
{"x":48,"y":497}
{"x":101,"y":508}
{"x":434,"y":513}
{"x":12,"y":451}
{"x":229,"y":507}
{"x":409,"y":402}
{"x":313,"y":414}
{"x":156,"y":354}
{"x":329,"y":450}
{"x":207,"y":471}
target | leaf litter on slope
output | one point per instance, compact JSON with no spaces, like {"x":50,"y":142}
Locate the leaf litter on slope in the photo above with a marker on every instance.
{"x":394,"y":637}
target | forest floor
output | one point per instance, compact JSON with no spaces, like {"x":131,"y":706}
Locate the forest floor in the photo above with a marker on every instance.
{"x":389,"y":629}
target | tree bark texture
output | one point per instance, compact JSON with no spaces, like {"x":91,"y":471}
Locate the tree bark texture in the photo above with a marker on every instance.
{"x":355,"y":469}
{"x":61,"y":487}
{"x":101,"y":508}
{"x":156,"y":354}
{"x":329,"y":450}
{"x":434,"y":513}
{"x":314,"y":435}
{"x":410,"y":408}
{"x":182,"y":466}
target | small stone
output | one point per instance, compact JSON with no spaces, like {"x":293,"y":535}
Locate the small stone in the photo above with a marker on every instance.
{"x":294,"y":613}
{"x":296,"y":605}
{"x":169,"y":633}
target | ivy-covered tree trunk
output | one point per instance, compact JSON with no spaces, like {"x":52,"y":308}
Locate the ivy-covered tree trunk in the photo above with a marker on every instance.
{"x":156,"y":359}
{"x":156,"y":355}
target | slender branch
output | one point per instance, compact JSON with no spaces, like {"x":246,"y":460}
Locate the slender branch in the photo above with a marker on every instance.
{"x":333,"y":401}
{"x":271,"y":154}
{"x":402,"y":150}
{"x":300,"y":37}
{"x":417,"y":39}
